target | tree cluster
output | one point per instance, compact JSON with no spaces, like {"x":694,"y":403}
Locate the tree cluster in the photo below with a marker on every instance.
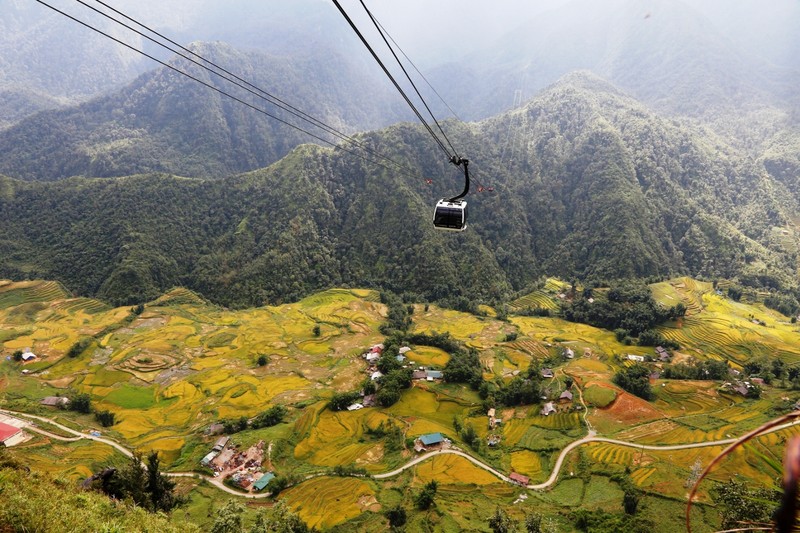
{"x":629,"y":307}
{"x":142,"y":482}
{"x":636,"y":380}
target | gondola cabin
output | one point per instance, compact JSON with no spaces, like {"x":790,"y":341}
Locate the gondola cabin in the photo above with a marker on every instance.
{"x":450,"y":215}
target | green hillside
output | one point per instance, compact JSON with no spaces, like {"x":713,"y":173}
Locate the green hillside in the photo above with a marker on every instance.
{"x":599,"y":188}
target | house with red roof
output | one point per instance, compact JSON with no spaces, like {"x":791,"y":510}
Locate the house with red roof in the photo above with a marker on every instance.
{"x":10,"y":435}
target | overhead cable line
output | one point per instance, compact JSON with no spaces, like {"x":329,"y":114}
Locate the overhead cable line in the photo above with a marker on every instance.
{"x":397,"y":85}
{"x":452,"y":157}
{"x":403,"y":68}
{"x":432,"y":88}
{"x":241,"y":83}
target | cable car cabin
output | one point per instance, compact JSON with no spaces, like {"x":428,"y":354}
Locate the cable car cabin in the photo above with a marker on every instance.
{"x":450,"y":215}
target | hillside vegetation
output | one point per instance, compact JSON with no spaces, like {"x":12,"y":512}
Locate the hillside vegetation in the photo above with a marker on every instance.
{"x":591,"y":186}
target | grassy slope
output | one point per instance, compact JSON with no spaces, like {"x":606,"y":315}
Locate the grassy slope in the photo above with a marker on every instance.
{"x":183,"y":364}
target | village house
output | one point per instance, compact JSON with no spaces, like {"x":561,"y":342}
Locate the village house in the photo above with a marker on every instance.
{"x":428,"y":440}
{"x":419,"y":374}
{"x":547,"y":373}
{"x":210,"y":456}
{"x":10,"y":435}
{"x":566,"y":395}
{"x":221,"y":443}
{"x":430,"y":375}
{"x":547,"y":409}
{"x":55,"y":401}
{"x":568,"y":353}
{"x":368,"y":400}
{"x":403,"y":350}
{"x":376,"y":375}
{"x":215,"y":429}
{"x":263,"y":481}
{"x":28,"y":356}
{"x":637,"y":358}
{"x":519,"y":479}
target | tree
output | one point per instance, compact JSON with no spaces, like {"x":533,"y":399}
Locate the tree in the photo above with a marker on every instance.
{"x":341,"y":400}
{"x":317,"y":331}
{"x":636,"y":380}
{"x":79,"y":347}
{"x":131,"y":482}
{"x":159,"y":486}
{"x":81,"y":402}
{"x":229,"y":518}
{"x":424,"y":499}
{"x":740,"y":505}
{"x":534,"y":523}
{"x":271,"y":417}
{"x":262,"y":360}
{"x":105,"y":418}
{"x":17,"y":356}
{"x":630,"y":501}
{"x":283,"y":520}
{"x":500,"y":522}
{"x":388,"y":395}
{"x":396,"y":515}
{"x":470,"y":437}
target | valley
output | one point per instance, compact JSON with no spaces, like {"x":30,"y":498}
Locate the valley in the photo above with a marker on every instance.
{"x":183,"y":364}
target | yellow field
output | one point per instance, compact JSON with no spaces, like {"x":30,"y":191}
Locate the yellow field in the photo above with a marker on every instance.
{"x":451,"y":469}
{"x":324,"y":502}
{"x":334,"y":440}
{"x":428,"y":356}
{"x":526,"y":462}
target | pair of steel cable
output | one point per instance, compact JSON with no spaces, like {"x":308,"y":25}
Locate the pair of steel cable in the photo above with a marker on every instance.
{"x":348,"y":141}
{"x":452,"y":154}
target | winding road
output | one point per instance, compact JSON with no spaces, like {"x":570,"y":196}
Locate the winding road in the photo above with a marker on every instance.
{"x":591,"y":437}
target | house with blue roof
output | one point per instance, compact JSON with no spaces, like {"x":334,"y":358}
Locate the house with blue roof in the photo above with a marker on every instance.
{"x":430,"y":439}
{"x":263,"y":481}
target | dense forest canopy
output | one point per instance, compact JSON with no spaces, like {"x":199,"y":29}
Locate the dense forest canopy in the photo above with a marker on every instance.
{"x":598,"y":188}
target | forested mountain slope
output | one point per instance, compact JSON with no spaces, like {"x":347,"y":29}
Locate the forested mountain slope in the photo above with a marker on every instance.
{"x":166,"y":122}
{"x":588,"y":183}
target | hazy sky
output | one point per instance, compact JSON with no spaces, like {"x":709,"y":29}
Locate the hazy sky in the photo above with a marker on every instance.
{"x":428,"y":30}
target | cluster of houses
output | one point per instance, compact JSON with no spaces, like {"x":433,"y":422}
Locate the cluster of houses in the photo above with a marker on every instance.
{"x":375,"y":353}
{"x":741,"y":387}
{"x":662,"y":356}
{"x":243,"y":468}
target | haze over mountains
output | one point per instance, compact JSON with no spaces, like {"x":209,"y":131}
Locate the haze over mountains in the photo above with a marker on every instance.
{"x":673,"y":149}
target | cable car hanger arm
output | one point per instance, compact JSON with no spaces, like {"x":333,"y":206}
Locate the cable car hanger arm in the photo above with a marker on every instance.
{"x":458,"y":161}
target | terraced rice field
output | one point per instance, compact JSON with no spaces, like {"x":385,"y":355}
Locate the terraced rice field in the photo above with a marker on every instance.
{"x":428,"y":356}
{"x":25,"y":292}
{"x":183,"y":364}
{"x":451,"y":470}
{"x":535,"y":300}
{"x":338,"y":438}
{"x":526,"y":462}
{"x":324,"y":502}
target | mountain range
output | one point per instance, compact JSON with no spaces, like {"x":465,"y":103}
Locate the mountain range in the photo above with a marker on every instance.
{"x":675,"y":152}
{"x":588,"y":183}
